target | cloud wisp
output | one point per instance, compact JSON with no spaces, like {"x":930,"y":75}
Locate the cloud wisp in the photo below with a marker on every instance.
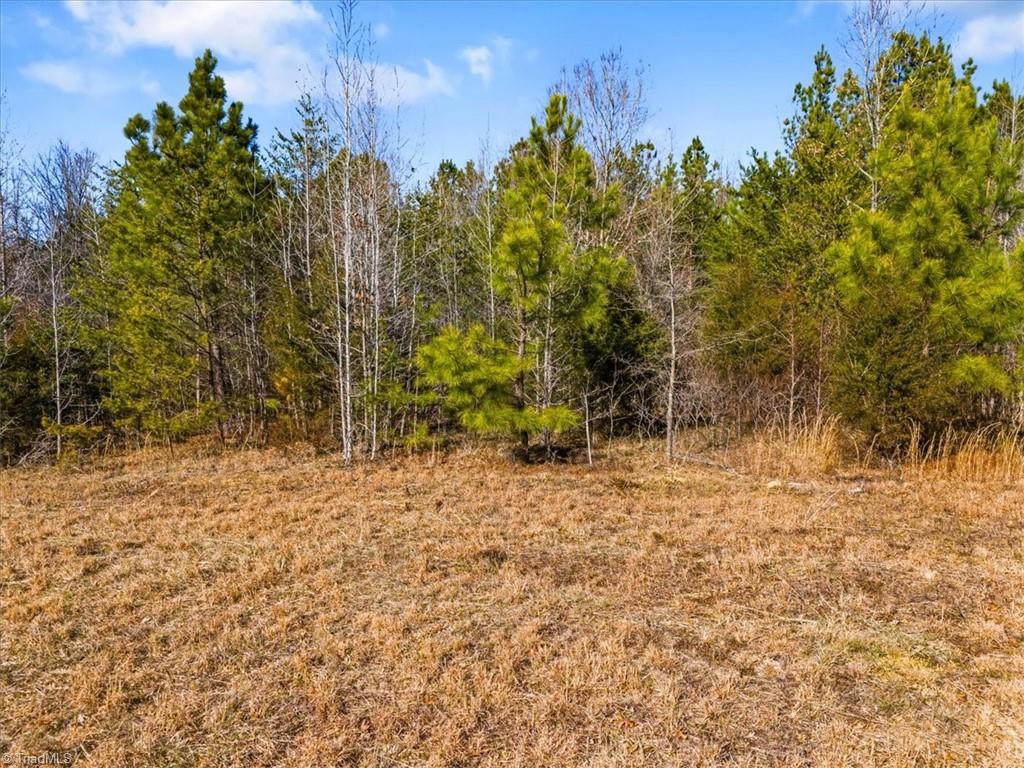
{"x":73,"y":77}
{"x":478,"y":58}
{"x":481,"y":59}
{"x":992,"y":37}
{"x":256,"y":38}
{"x":242,"y":30}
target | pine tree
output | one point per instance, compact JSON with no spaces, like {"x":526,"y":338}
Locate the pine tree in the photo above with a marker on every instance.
{"x":551,"y":283}
{"x":179,"y":276}
{"x":771,"y":304}
{"x":929,"y":295}
{"x":477,"y":374}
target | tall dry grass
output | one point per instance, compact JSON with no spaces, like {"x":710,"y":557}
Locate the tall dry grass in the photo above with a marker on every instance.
{"x":808,"y":447}
{"x":822,"y":446}
{"x":993,"y":453}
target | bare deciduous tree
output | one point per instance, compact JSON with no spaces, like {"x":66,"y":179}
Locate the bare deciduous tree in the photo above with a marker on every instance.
{"x":61,"y":205}
{"x":871,"y":25}
{"x":608,"y":95}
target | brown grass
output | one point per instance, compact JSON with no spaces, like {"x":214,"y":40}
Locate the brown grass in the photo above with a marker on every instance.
{"x":821,"y":447}
{"x":271,"y":608}
{"x":994,"y":453}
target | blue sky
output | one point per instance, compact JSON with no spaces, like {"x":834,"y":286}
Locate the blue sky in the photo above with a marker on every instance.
{"x":78,"y":70}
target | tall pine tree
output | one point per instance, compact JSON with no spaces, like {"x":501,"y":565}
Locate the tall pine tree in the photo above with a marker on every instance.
{"x":180,"y":274}
{"x":552,"y":282}
{"x":930,"y":294}
{"x":771,"y":303}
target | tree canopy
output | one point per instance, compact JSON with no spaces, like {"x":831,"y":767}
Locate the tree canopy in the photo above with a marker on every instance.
{"x":578,"y":285}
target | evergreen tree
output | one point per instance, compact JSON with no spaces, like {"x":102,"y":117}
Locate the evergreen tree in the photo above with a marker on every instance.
{"x":24,"y":385}
{"x":930,"y":296}
{"x":180,"y":277}
{"x":454,"y":282}
{"x":771,"y":304}
{"x":550,"y":282}
{"x":477,"y":374}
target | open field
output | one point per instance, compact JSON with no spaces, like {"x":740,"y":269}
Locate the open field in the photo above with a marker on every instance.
{"x":271,"y":608}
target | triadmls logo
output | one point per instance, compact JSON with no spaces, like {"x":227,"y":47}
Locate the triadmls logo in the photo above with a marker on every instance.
{"x":42,"y":758}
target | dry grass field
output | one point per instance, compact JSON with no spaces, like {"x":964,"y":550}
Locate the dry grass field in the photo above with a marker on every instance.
{"x":271,"y":608}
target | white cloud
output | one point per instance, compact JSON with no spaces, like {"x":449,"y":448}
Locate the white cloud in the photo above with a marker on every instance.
{"x":272,"y":78}
{"x":263,"y":60}
{"x":241,"y":29}
{"x":503,"y":47}
{"x":986,"y":38}
{"x":410,"y":87}
{"x":62,"y":75}
{"x":269,"y":81}
{"x":395,"y":84}
{"x":479,"y":60}
{"x":254,"y":36}
{"x":79,"y":8}
{"x":71,"y":76}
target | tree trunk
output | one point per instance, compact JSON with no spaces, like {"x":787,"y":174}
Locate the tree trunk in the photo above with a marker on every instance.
{"x":520,"y":387}
{"x":58,"y":398}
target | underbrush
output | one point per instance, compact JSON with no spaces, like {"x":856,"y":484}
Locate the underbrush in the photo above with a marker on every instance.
{"x":810,"y":448}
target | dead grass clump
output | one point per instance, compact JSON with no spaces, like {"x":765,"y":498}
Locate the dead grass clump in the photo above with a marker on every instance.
{"x":810,"y":447}
{"x":821,"y":447}
{"x":806,"y":447}
{"x":989,"y":454}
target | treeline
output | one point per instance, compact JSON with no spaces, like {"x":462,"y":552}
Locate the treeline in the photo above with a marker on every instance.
{"x":582,"y":282}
